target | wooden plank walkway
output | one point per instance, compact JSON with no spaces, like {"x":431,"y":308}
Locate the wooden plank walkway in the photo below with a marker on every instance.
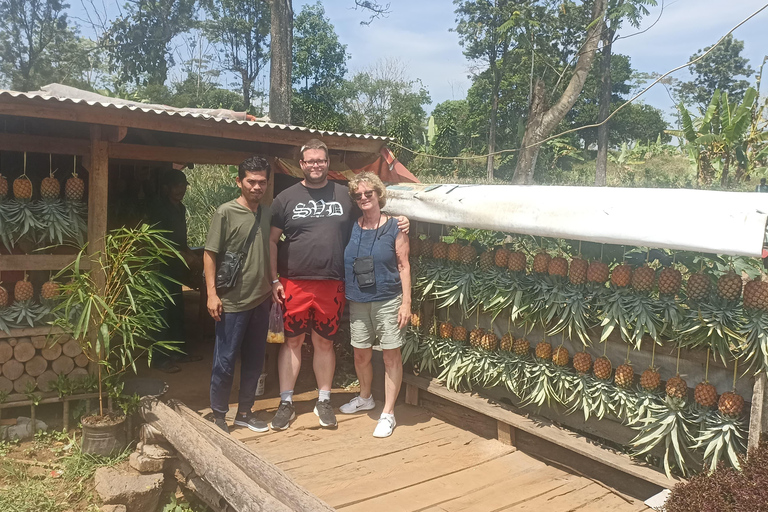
{"x":427,"y":465}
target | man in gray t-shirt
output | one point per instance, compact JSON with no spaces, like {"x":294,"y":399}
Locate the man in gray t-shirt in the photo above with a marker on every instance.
{"x":242,"y":311}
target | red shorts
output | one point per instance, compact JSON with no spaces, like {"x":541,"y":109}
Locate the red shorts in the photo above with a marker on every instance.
{"x":312,"y":305}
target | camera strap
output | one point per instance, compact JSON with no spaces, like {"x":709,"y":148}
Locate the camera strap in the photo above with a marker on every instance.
{"x":375,"y":236}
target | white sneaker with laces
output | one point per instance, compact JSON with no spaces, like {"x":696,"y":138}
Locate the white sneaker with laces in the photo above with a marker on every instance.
{"x":358,"y":404}
{"x":385,"y":426}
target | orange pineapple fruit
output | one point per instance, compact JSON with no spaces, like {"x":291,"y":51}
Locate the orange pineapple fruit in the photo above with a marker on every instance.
{"x":582,"y":362}
{"x":22,"y":188}
{"x":3,"y":187}
{"x":560,"y":356}
{"x":3,"y":297}
{"x":426,"y":247}
{"x":650,"y":380}
{"x":541,"y":262}
{"x":577,"y":274}
{"x":23,"y":290}
{"x":475,"y":336}
{"x":670,"y":280}
{"x":643,"y":278}
{"x":543,"y":350}
{"x":558,"y":267}
{"x":49,"y":290}
{"x":446,"y":330}
{"x":50,"y":188}
{"x":486,"y":261}
{"x":460,"y":334}
{"x":468,"y":255}
{"x":676,"y":387}
{"x":597,"y":272}
{"x":506,"y":342}
{"x":489,"y":341}
{"x":705,"y":394}
{"x":602,"y":368}
{"x":74,"y":188}
{"x":415,"y":246}
{"x":621,"y":275}
{"x":440,"y":250}
{"x":516,"y":261}
{"x":416,"y":319}
{"x":454,"y":251}
{"x":729,"y":286}
{"x":501,"y":257}
{"x":756,"y":295}
{"x":624,"y":376}
{"x":731,"y":404}
{"x":698,"y":286}
{"x":521,"y":346}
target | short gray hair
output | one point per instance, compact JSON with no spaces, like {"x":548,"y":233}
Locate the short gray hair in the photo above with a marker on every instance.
{"x":372,"y":181}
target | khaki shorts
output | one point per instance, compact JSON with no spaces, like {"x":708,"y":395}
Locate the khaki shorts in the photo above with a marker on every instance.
{"x":376,"y":320}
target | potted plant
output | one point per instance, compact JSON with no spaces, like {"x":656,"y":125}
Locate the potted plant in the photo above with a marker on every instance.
{"x":114,"y":310}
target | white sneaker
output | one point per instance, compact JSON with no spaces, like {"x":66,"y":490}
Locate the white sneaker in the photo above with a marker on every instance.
{"x":358,"y":404}
{"x":385,"y":426}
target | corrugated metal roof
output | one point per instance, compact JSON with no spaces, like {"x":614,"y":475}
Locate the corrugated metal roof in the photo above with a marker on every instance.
{"x":183,"y":114}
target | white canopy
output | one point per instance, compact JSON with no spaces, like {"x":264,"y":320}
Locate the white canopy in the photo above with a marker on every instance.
{"x":731,"y":223}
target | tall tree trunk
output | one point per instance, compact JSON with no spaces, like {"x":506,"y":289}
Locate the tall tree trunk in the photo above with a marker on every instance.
{"x":246,"y":90}
{"x":601,"y":165}
{"x":492,"y":133}
{"x":539,"y":127}
{"x":280,"y":85}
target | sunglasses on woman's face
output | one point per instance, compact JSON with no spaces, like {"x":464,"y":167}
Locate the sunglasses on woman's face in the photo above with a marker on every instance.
{"x":358,"y":196}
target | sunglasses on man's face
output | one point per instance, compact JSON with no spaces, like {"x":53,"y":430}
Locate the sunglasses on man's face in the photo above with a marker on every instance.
{"x":358,"y":196}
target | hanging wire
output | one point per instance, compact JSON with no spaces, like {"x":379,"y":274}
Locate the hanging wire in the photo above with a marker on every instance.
{"x":706,"y":368}
{"x":735,"y":373}
{"x":653,"y":354}
{"x":677,"y":368}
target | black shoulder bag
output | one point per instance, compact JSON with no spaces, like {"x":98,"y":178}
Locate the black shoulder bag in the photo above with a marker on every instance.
{"x":230,"y":264}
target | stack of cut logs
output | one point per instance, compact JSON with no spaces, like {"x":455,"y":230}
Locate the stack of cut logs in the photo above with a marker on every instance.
{"x":32,"y":363}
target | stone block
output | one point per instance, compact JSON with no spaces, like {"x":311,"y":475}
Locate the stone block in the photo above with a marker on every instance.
{"x":21,"y":430}
{"x":144,"y":464}
{"x":155,"y":451}
{"x":138,"y":493}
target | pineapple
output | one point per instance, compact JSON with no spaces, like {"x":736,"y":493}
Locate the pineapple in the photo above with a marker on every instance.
{"x":705,"y":394}
{"x":582,"y":362}
{"x":23,"y":290}
{"x":454,"y":251}
{"x":731,"y":404}
{"x":650,"y":380}
{"x":670,"y":280}
{"x":561,"y":357}
{"x":501,"y":257}
{"x":577,"y":274}
{"x":597,"y":272}
{"x":440,"y":250}
{"x":50,"y":188}
{"x":426,"y":248}
{"x":489,"y":341}
{"x":475,"y":336}
{"x":543,"y":350}
{"x":486,"y":262}
{"x":460,"y":334}
{"x":698,"y":286}
{"x":3,"y":297}
{"x":446,"y":330}
{"x":729,"y":286}
{"x":22,"y":188}
{"x":516,"y":261}
{"x":521,"y":346}
{"x":415,"y":319}
{"x":74,"y":188}
{"x":756,"y":295}
{"x":621,"y":275}
{"x":415,"y":246}
{"x":558,"y":267}
{"x":49,"y":290}
{"x":468,"y":255}
{"x":624,"y":376}
{"x":676,"y":387}
{"x":506,"y":342}
{"x":541,"y":262}
{"x":3,"y":187}
{"x":602,"y":368}
{"x":643,"y":279}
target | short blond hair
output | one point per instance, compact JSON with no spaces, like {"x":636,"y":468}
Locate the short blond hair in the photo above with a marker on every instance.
{"x":314,"y":144}
{"x":372,"y":181}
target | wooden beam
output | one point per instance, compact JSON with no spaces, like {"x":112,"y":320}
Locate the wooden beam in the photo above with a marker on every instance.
{"x":411,"y":395}
{"x":119,"y":151}
{"x":506,"y":433}
{"x":758,"y":416}
{"x":98,"y":189}
{"x":208,"y":461}
{"x":43,"y":144}
{"x":38,"y":261}
{"x":541,"y":428}
{"x":97,"y":114}
{"x":268,"y":476}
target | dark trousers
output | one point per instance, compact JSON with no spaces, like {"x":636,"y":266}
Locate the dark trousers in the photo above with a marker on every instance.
{"x":243,"y":334}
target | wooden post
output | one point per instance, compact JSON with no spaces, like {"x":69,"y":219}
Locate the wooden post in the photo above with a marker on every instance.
{"x":411,"y":395}
{"x":65,"y":415}
{"x":758,"y":418}
{"x":506,"y":433}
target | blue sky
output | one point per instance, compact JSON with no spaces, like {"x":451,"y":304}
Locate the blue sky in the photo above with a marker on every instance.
{"x":417,"y":32}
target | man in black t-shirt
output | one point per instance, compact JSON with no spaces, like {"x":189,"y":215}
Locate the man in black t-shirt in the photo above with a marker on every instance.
{"x":315,"y":216}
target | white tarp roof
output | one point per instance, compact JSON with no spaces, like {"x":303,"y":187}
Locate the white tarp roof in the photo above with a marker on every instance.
{"x":692,"y":220}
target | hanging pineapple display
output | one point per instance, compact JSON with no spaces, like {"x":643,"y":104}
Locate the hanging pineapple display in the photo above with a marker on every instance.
{"x":20,"y":213}
{"x":24,"y":312}
{"x":76,"y":210}
{"x":6,"y":234}
{"x":54,"y":226}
